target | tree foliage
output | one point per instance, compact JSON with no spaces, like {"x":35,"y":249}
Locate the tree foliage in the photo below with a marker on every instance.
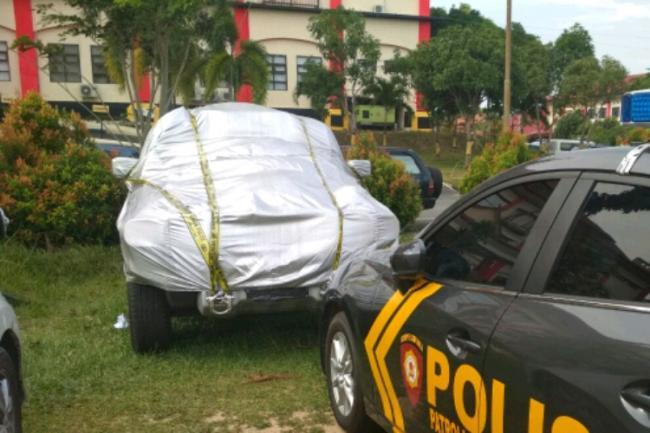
{"x":573,"y":44}
{"x":322,"y":86}
{"x":461,"y":68}
{"x":171,"y":40}
{"x":353,"y":53}
{"x":54,"y":185}
{"x":641,"y":83}
{"x":573,"y":124}
{"x":510,"y":150}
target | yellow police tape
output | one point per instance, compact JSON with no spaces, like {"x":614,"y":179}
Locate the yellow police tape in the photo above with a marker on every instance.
{"x":209,"y":247}
{"x":216,"y":275}
{"x":312,"y":154}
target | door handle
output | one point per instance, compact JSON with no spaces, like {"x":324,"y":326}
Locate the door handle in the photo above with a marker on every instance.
{"x":462,"y":343}
{"x":639,"y":397}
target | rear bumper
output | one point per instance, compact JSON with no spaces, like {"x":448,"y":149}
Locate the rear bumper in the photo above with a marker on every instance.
{"x":244,"y":302}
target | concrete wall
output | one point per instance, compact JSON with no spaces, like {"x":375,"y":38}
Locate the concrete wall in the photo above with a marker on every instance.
{"x":402,"y":7}
{"x":285,"y":33}
{"x":9,"y":89}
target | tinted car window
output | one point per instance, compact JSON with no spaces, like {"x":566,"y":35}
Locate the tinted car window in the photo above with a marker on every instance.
{"x":481,"y":245}
{"x":409,"y":163}
{"x":608,"y":253}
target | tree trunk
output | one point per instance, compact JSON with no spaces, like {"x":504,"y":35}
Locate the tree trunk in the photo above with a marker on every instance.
{"x":401,"y":114}
{"x":165,"y":99}
{"x":353,"y":114}
{"x":470,"y":142}
{"x":385,"y":125}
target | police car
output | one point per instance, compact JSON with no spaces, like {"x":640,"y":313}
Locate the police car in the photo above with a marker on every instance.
{"x":524,"y":308}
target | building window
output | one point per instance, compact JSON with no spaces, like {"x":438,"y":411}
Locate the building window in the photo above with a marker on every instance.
{"x":277,"y":72}
{"x":4,"y":61}
{"x":100,"y":74}
{"x":64,"y":64}
{"x":302,"y":62}
{"x":616,"y":111}
{"x":602,"y":113}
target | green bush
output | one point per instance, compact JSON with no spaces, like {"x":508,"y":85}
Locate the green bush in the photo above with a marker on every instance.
{"x":54,"y":185}
{"x":572,"y":125}
{"x":635,"y":135}
{"x":510,"y":150}
{"x":606,"y":131}
{"x":389,"y":183}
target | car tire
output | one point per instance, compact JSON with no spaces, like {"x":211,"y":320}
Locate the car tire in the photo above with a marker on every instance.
{"x":343,"y":379}
{"x":436,"y":175}
{"x":10,"y":398}
{"x":149,"y":319}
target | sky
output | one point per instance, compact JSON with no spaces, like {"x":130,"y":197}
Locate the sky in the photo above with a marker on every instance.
{"x":619,"y":28}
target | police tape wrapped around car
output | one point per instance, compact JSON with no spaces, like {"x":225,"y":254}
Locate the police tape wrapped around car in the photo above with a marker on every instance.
{"x":236,"y":208}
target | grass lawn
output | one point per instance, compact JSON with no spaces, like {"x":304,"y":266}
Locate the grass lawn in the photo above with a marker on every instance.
{"x":82,"y":376}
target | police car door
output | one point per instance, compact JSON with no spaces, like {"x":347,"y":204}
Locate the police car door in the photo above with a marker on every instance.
{"x":572,"y":353}
{"x":474,"y":257}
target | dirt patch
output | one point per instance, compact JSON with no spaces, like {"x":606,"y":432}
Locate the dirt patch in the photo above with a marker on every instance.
{"x":299,"y":422}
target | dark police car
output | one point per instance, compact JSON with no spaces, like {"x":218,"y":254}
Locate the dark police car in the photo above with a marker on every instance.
{"x":524,"y":308}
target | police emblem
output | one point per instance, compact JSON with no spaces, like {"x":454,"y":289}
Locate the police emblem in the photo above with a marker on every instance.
{"x":412,"y":366}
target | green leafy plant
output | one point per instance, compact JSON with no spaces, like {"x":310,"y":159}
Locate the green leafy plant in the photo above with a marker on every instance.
{"x":571,"y":125}
{"x":606,"y":131}
{"x":635,"y":135}
{"x":510,"y":150}
{"x":54,"y":185}
{"x":389,"y":182}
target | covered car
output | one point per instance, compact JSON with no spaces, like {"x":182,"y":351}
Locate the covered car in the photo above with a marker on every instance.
{"x":235,"y":208}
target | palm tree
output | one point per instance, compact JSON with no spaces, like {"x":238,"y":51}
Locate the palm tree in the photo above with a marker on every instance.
{"x":223,"y":58}
{"x":246,"y":66}
{"x":389,"y":93}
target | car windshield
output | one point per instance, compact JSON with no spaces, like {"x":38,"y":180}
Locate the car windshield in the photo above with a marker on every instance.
{"x":409,"y":163}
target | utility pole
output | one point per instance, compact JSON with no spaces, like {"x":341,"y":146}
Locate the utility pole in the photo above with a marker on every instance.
{"x":507,"y":97}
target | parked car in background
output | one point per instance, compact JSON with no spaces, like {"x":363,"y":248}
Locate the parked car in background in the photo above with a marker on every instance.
{"x":428,"y":178}
{"x":524,"y":305}
{"x":557,"y":145}
{"x":116,"y":148}
{"x":12,"y":393}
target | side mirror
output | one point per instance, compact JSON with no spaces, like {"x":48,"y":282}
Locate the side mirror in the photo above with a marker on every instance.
{"x":408,"y":264}
{"x":121,"y":166}
{"x":362,"y":167}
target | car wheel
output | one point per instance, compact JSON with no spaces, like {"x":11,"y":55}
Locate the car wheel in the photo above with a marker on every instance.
{"x":10,"y":401}
{"x":149,"y":318}
{"x":342,"y":370}
{"x":436,"y":175}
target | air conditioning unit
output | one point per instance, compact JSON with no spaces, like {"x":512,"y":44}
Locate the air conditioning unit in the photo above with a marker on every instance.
{"x":88,"y":92}
{"x":378,"y":9}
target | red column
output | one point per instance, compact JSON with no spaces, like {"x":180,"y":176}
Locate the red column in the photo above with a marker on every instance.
{"x":335,"y":3}
{"x":608,"y":112}
{"x":424,"y":34}
{"x":245,"y":93}
{"x":144,"y":88}
{"x":27,"y":60}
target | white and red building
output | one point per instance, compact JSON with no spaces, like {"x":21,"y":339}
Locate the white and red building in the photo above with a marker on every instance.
{"x":280,"y":25}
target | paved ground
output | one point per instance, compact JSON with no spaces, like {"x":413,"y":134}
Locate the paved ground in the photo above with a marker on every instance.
{"x":446,"y":199}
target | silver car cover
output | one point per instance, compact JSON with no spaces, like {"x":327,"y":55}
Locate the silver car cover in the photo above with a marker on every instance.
{"x":286,"y":210}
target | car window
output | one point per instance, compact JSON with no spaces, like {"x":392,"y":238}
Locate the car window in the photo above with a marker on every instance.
{"x":565,"y":146}
{"x":409,"y":163}
{"x":607,"y":255}
{"x":481,"y":244}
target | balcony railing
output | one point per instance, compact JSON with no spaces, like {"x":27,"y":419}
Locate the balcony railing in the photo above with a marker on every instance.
{"x":309,"y":4}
